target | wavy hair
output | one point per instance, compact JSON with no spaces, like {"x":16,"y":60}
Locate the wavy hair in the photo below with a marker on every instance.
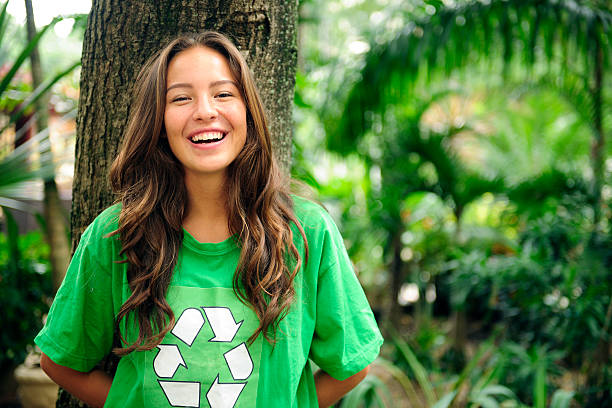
{"x":149,"y":182}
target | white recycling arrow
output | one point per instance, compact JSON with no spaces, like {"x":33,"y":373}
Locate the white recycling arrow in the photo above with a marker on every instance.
{"x":188,"y":325}
{"x":168,"y":360}
{"x":223,"y":395}
{"x":182,"y":394}
{"x":222,"y":323}
{"x":239,"y":362}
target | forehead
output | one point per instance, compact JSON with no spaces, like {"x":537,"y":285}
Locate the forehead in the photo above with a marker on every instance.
{"x":197,"y":63}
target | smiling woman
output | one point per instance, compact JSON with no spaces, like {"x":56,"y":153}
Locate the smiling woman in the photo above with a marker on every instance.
{"x":208,"y":278}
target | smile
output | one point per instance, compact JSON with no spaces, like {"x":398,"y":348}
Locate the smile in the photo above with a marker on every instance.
{"x":207,"y":137}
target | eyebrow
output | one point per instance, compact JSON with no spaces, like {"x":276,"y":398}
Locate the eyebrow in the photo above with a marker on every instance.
{"x":216,"y":83}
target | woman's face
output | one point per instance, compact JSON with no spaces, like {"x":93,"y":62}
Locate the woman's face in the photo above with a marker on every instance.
{"x":205,"y":116}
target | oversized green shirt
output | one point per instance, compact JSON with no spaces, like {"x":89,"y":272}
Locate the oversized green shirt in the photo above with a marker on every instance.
{"x":205,"y":360}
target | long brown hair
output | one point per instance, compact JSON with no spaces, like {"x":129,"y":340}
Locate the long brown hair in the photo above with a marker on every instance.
{"x":149,"y":181}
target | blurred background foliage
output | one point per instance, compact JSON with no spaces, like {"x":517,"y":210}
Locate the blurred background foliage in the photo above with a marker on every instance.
{"x":30,"y":156}
{"x":461,"y":147}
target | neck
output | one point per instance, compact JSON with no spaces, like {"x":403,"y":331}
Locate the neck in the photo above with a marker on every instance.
{"x":206,"y":218}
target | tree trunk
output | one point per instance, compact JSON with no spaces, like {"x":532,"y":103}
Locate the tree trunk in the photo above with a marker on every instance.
{"x":598,"y":144}
{"x":122,"y":35}
{"x":55,"y":220}
{"x":460,"y":320}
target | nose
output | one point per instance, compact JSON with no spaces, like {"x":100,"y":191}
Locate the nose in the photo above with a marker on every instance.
{"x":205,"y":109}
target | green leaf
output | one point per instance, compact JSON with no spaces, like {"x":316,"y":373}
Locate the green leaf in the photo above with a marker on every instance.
{"x":561,"y":399}
{"x":16,"y":205}
{"x":31,"y":160}
{"x":367,"y":390}
{"x":41,"y":90}
{"x":403,"y":379}
{"x":465,"y":373}
{"x":12,"y":239}
{"x":3,"y":21}
{"x":446,"y":400}
{"x":298,"y":100}
{"x":486,"y":402}
{"x":539,"y":391}
{"x":8,"y":77}
{"x":496,"y":389}
{"x":419,"y":371}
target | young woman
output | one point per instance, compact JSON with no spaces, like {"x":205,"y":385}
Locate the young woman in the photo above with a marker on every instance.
{"x":215,"y":286}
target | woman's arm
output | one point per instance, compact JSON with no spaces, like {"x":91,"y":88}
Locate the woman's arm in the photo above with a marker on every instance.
{"x":91,"y":388}
{"x":330,"y":390}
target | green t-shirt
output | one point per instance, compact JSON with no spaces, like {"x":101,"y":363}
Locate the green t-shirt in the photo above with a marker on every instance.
{"x":205,"y":360}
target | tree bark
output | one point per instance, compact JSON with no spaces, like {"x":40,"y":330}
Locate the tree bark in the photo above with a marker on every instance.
{"x":122,"y":35}
{"x":55,"y":220}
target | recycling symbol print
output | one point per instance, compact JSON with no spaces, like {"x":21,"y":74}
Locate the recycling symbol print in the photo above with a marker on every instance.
{"x":237,"y":359}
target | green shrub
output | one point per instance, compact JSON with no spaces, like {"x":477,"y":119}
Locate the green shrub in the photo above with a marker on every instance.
{"x":25,"y":291}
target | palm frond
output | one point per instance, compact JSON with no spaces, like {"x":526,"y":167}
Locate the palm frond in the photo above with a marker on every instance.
{"x":25,"y":53}
{"x":411,"y":114}
{"x":3,"y":20}
{"x":571,"y":87}
{"x":551,"y":183}
{"x":31,"y":161}
{"x":37,"y":93}
{"x":458,"y":35}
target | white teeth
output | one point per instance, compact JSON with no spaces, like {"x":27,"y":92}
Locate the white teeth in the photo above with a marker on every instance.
{"x":207,"y":136}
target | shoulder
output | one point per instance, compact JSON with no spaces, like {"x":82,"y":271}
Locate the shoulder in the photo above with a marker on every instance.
{"x":104,"y":224}
{"x":311,"y":215}
{"x":321,"y":231}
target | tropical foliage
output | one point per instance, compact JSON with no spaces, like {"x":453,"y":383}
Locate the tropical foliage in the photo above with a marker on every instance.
{"x":476,"y":182}
{"x":33,"y":160}
{"x":25,"y":281}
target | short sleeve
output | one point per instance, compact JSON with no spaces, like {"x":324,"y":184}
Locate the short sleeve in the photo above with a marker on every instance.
{"x":79,"y":328}
{"x":346,"y":337}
